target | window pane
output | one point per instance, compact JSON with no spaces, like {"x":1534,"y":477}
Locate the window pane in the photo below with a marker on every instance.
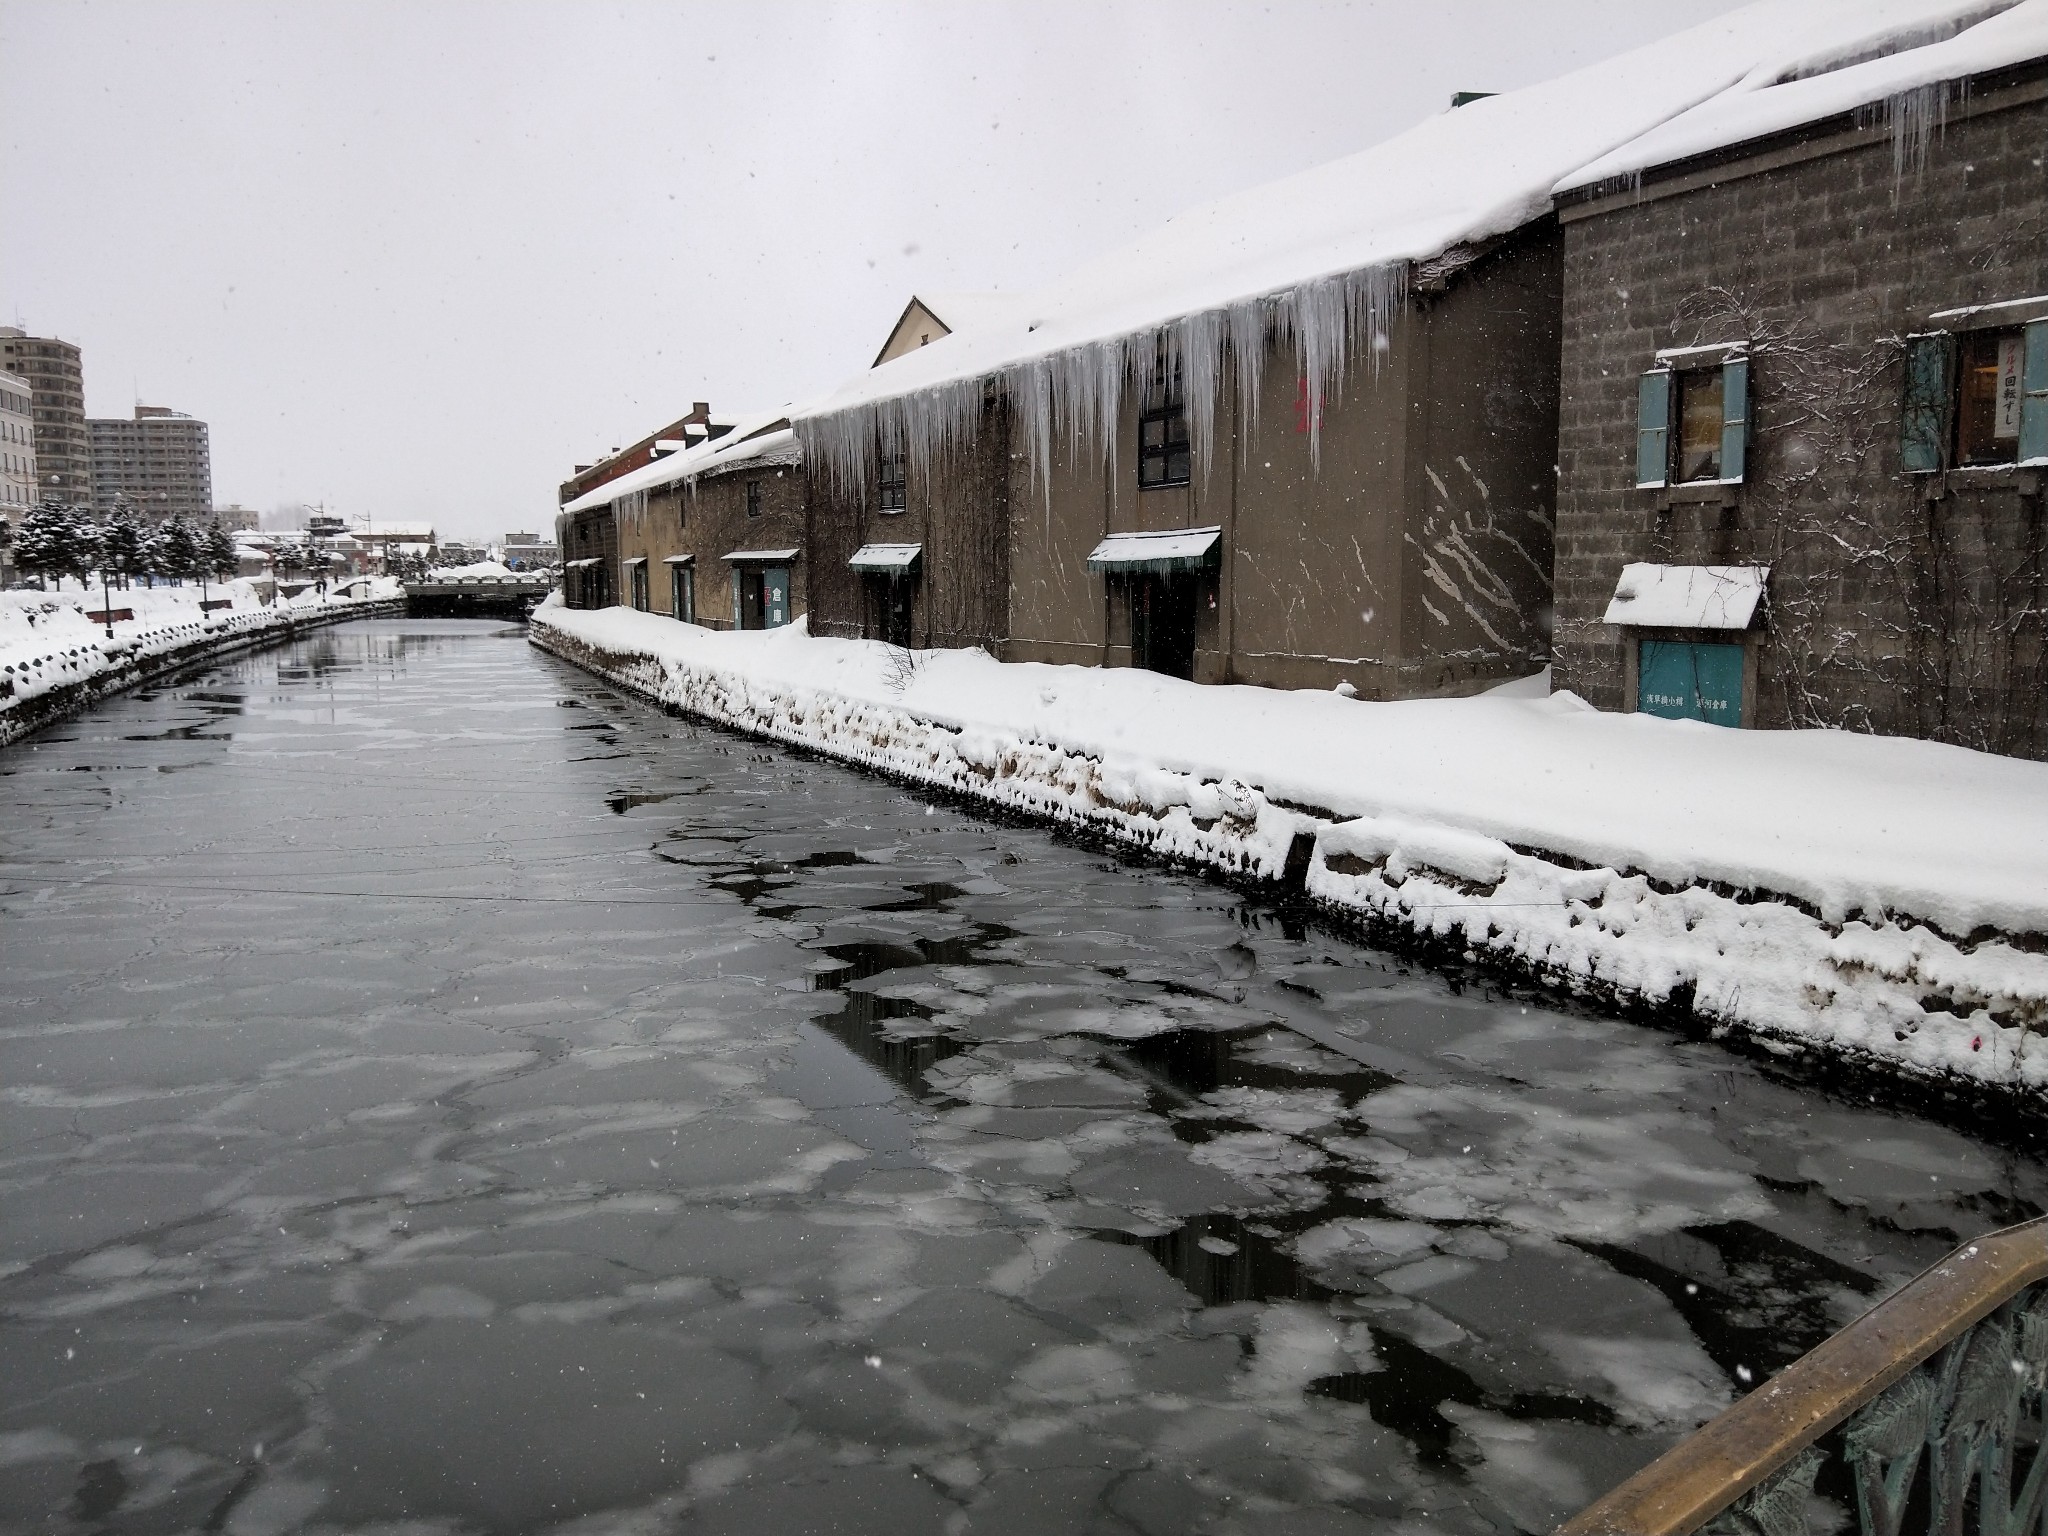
{"x":1151,"y":433}
{"x":1177,"y":467}
{"x":1987,"y":408}
{"x":1699,"y":425}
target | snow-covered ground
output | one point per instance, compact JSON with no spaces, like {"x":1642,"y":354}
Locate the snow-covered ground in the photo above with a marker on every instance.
{"x":47,"y":642}
{"x":1882,"y":897}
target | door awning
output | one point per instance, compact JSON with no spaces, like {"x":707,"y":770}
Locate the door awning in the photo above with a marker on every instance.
{"x":1175,"y":549}
{"x":678,"y":559}
{"x":577,"y":565}
{"x":760,"y":556}
{"x":1687,"y":596}
{"x":889,"y":559}
{"x":636,"y":559}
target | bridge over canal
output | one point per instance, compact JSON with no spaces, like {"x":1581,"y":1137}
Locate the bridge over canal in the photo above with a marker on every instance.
{"x":478,"y":597}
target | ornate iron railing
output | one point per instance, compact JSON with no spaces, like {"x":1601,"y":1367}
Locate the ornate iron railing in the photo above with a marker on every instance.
{"x":1939,"y":1394}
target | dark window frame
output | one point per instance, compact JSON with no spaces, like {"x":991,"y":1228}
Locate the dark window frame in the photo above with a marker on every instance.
{"x":753,"y":498}
{"x":892,"y":483}
{"x":1165,"y":456}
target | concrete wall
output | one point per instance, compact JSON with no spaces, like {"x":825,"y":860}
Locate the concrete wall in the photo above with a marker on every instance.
{"x":1899,"y":604}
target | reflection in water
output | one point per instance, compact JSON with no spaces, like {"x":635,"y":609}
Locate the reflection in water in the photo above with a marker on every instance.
{"x":460,"y":1095}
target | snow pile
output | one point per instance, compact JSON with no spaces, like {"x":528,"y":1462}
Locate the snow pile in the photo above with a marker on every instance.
{"x":1321,"y":259}
{"x":50,"y":642}
{"x":1855,"y":891}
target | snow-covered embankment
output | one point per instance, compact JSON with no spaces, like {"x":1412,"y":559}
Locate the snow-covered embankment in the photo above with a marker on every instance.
{"x":55,"y":660}
{"x":1885,"y":900}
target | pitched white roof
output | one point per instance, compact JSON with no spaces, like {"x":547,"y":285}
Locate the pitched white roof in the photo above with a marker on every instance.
{"x":1922,"y":50}
{"x":752,"y":437}
{"x":1463,"y":175}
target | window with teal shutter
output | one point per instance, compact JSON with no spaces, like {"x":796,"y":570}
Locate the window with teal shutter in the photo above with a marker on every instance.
{"x":1734,"y":416}
{"x":1923,"y":428}
{"x":1653,"y":428}
{"x":2034,"y":395}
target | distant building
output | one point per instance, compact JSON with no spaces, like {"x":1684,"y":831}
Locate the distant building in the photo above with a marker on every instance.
{"x":159,"y":461}
{"x":390,"y":539}
{"x":530,"y":551}
{"x":17,"y":449}
{"x":57,"y":389}
{"x":236,"y":518}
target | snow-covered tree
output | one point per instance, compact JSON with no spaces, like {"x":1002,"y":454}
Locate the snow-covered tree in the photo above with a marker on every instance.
{"x":219,"y":558}
{"x":120,"y":543}
{"x":173,"y":550}
{"x":56,"y":540}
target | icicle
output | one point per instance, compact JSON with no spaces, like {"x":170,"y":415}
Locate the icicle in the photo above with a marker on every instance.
{"x":1916,"y":117}
{"x":1075,"y":398}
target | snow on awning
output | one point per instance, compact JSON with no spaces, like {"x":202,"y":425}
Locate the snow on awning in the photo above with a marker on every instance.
{"x":1175,"y":549}
{"x":636,"y":559}
{"x":1687,"y":596}
{"x":760,"y":556}
{"x":890,"y":559}
{"x":678,"y":559}
{"x":577,"y":565}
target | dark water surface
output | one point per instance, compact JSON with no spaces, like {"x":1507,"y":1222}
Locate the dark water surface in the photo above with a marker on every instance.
{"x":438,"y":1093}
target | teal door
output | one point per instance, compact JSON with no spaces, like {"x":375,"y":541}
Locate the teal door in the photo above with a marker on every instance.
{"x":1682,"y":680}
{"x":775,"y":597}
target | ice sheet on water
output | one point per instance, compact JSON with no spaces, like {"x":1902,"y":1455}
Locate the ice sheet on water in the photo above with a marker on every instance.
{"x":1343,"y":1252}
{"x":1663,"y":1384}
{"x":1551,"y":1164}
{"x":1286,"y":1111}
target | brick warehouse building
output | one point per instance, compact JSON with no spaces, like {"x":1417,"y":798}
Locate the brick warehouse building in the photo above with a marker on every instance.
{"x":713,"y":535}
{"x":1804,"y":426}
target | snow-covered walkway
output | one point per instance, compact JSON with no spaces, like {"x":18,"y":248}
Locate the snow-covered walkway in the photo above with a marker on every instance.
{"x":1880,"y":896}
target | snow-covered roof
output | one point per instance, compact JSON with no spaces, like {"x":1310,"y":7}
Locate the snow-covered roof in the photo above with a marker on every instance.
{"x":1462,"y":176}
{"x":887,"y":558}
{"x":1822,"y":73}
{"x":1687,"y":596}
{"x":1174,"y":549}
{"x":754,"y":437}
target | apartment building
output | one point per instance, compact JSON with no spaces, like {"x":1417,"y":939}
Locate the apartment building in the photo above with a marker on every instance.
{"x":158,"y":461}
{"x":56,"y":379}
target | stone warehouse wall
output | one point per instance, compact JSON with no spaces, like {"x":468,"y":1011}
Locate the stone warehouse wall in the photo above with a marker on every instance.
{"x":959,"y":513}
{"x":1902,"y":605}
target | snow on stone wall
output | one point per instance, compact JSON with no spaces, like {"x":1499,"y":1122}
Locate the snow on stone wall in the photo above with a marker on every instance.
{"x":54,"y":659}
{"x":1869,"y":983}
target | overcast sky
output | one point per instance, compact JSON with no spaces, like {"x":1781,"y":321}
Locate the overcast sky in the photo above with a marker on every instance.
{"x":418,"y":259}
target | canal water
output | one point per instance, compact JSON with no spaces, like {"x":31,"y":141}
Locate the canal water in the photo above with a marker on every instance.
{"x":439,"y":1093}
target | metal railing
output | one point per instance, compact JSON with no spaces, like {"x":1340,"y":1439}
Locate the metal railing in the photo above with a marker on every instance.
{"x":1939,"y":1393}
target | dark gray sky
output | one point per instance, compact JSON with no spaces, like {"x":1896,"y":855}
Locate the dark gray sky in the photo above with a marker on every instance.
{"x":416,"y":259}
